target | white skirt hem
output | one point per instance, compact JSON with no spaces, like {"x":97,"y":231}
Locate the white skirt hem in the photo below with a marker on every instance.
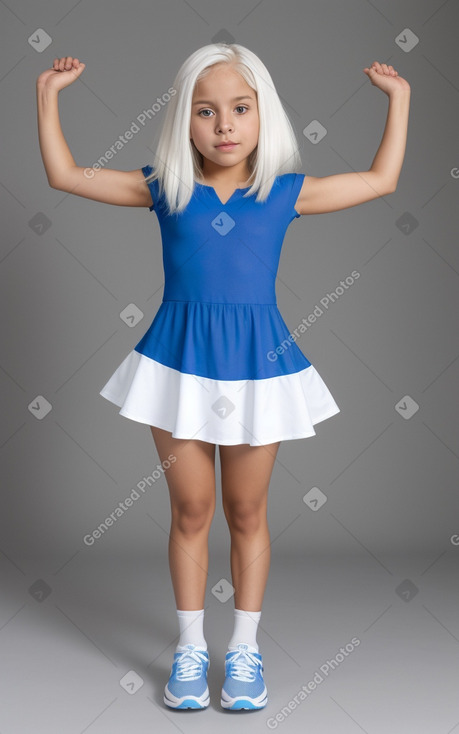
{"x":223,"y":412}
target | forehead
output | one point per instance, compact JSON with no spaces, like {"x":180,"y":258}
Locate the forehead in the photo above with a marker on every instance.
{"x":221,"y":81}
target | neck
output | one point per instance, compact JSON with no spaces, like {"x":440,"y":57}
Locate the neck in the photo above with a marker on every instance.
{"x":233,"y":175}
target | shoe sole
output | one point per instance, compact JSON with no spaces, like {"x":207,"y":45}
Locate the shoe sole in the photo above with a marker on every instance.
{"x":187,"y":702}
{"x":241,"y":702}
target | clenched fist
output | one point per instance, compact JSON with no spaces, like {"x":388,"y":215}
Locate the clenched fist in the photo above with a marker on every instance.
{"x":63,"y":72}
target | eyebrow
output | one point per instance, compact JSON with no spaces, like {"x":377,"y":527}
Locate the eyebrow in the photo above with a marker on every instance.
{"x":235,"y":99}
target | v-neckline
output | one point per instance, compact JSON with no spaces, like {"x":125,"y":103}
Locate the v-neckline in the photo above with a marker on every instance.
{"x":206,"y":186}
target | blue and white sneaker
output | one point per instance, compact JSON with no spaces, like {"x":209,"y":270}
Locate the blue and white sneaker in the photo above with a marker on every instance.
{"x":244,"y":687}
{"x":187,"y":685}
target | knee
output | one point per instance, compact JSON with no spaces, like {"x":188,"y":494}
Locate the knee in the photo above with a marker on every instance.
{"x":192,"y":517}
{"x":245,"y":517}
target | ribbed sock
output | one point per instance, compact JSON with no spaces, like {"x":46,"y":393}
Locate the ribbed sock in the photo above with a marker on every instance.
{"x":191,"y":628}
{"x":245,"y":629}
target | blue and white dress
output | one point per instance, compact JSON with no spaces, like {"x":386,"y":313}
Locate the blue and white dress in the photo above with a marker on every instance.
{"x":218,"y":363}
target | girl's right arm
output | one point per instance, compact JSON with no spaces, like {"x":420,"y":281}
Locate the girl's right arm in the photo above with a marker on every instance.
{"x":124,"y":188}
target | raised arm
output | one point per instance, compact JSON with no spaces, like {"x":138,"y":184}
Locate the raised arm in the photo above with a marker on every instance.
{"x":343,"y":190}
{"x":124,"y":188}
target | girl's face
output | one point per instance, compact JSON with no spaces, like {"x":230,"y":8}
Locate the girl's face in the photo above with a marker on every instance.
{"x":224,"y":108}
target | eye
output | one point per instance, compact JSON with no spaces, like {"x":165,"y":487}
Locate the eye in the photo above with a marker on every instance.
{"x":239,"y":107}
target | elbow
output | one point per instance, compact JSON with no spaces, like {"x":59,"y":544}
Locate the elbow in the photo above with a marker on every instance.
{"x":390,"y":188}
{"x":55,"y":180}
{"x":51,"y":182}
{"x":54,"y":184}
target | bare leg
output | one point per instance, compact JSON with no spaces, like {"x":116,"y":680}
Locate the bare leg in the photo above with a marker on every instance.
{"x":191,"y":483}
{"x":246,"y":474}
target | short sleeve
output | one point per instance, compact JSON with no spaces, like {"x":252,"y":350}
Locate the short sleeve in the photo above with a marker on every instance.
{"x":295,"y":191}
{"x":152,"y":185}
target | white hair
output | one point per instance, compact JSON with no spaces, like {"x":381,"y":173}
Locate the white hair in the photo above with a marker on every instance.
{"x":177,"y":161}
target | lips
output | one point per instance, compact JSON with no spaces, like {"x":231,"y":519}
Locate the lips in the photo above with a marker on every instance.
{"x":227,"y":144}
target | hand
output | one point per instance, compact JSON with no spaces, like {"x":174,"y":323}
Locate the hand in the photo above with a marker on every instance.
{"x":63,"y":72}
{"x":386,"y":78}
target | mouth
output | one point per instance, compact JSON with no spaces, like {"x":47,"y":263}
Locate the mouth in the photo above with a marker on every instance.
{"x":226,"y":146}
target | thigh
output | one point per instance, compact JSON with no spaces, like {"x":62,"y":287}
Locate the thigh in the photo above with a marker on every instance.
{"x":246,"y":472}
{"x":191,"y":474}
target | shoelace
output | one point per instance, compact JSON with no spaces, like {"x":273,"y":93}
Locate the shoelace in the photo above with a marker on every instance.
{"x":189,"y":665}
{"x":242,"y":665}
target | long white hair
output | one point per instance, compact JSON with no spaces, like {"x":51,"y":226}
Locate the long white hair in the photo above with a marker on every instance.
{"x":178,"y":163}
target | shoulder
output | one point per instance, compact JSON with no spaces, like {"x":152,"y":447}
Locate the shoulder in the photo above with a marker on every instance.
{"x":155,"y":185}
{"x":290,"y":182}
{"x":289,"y":186}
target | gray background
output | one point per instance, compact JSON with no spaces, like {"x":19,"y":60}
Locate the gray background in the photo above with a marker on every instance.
{"x":378,"y":560}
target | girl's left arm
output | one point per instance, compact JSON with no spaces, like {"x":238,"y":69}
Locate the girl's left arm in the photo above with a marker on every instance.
{"x":343,"y":190}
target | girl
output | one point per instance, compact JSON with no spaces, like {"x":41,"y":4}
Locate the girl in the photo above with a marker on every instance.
{"x":217,"y":366}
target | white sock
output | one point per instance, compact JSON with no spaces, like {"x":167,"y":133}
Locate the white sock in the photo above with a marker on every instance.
{"x":245,"y":629}
{"x":191,"y":628}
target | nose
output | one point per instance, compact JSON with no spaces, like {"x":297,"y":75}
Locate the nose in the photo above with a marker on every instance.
{"x":224,"y":125}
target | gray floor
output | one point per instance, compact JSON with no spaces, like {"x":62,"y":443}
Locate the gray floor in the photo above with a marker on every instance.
{"x":69,"y":644}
